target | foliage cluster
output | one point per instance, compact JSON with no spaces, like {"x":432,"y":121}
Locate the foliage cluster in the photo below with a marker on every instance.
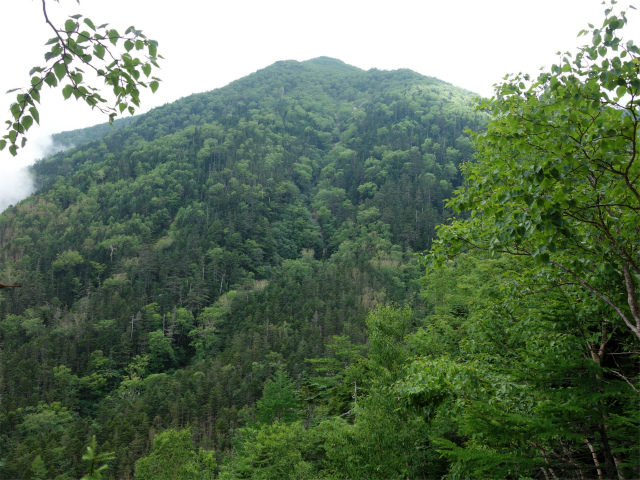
{"x":80,"y":44}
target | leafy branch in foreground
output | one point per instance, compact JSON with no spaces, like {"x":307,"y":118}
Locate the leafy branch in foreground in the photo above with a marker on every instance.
{"x":557,"y":173}
{"x":81,"y":44}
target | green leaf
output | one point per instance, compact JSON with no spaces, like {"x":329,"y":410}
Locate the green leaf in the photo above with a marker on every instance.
{"x":76,"y":16}
{"x":70,"y":26}
{"x":113,"y":36}
{"x":154,"y":86}
{"x":35,"y":114}
{"x":84,"y":36}
{"x":3,"y":143}
{"x":13,"y":149}
{"x":26,"y":121}
{"x":146,"y":68}
{"x":99,"y":50}
{"x":60,"y":70}
{"x":128,"y":45}
{"x":66,"y":91}
{"x":51,"y":80}
{"x":52,"y":41}
{"x":90,"y":24}
{"x":153,"y":48}
{"x":597,"y":39}
{"x":122,"y":107}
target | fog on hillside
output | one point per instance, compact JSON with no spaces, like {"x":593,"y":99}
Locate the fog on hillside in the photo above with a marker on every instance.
{"x":15,"y":185}
{"x":16,"y":181}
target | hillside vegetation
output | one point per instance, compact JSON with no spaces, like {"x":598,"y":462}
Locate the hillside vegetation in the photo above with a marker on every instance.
{"x":172,"y":266}
{"x":228,"y":287}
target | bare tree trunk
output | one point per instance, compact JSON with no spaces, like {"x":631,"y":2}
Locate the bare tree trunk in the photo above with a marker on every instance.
{"x":631,"y":295}
{"x":595,"y":458}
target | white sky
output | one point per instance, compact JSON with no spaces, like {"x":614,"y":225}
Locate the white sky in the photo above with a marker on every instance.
{"x":207,"y":44}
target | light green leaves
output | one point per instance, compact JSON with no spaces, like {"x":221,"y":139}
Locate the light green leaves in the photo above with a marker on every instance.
{"x":174,"y":456}
{"x":96,"y":461}
{"x":557,"y":173}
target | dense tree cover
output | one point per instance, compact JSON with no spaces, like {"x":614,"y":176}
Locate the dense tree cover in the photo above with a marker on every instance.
{"x":544,"y":380}
{"x":227,"y":286}
{"x":210,"y":265}
{"x":173,"y":457}
{"x":558,"y":173}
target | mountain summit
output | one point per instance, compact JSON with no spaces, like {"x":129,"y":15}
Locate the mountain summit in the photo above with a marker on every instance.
{"x":225,"y":233}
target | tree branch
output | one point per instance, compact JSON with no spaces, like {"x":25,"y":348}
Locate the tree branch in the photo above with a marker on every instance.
{"x":586,"y":285}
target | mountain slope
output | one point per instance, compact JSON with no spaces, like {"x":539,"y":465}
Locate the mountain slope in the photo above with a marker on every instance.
{"x":228,"y":233}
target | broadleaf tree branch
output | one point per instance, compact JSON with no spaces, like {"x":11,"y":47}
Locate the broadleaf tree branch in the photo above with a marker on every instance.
{"x":124,"y":73}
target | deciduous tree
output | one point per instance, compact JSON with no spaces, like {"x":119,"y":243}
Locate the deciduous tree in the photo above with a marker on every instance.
{"x":173,"y":457}
{"x":557,"y":172}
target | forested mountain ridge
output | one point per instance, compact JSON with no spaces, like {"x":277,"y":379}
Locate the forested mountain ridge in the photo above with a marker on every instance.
{"x":230,"y":234}
{"x":227,"y":287}
{"x":73,"y":138}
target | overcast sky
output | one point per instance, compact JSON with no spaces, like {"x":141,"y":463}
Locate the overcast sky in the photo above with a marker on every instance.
{"x":207,"y":44}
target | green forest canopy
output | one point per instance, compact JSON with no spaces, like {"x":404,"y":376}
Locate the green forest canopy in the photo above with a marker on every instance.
{"x":231,"y":280}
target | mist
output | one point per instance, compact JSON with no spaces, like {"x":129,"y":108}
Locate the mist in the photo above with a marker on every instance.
{"x":15,"y":185}
{"x":16,"y":179}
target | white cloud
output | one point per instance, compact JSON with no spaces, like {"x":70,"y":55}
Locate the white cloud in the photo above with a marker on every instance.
{"x":16,"y":180}
{"x":15,"y":185}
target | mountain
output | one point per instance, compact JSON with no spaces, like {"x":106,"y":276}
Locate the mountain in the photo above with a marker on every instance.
{"x":65,"y":140}
{"x":172,"y":266}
